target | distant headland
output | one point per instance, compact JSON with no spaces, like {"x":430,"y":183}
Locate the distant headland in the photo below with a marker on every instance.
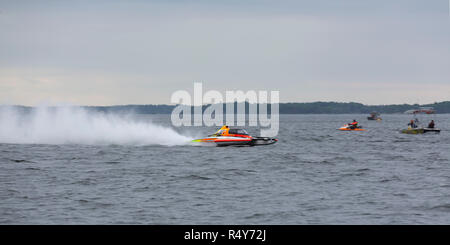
{"x":285,"y":108}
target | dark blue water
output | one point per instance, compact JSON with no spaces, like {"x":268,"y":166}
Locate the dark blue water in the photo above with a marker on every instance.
{"x":313,"y":175}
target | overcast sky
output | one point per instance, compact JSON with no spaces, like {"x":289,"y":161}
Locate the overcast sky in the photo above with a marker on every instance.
{"x":140,"y":52}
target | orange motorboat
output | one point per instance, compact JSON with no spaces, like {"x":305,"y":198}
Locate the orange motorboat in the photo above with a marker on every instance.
{"x":349,"y":128}
{"x":227,"y":137}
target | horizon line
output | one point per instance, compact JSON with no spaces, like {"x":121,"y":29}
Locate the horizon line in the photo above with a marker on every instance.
{"x":116,"y":105}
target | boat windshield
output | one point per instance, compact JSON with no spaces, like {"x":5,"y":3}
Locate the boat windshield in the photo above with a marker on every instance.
{"x":238,"y":131}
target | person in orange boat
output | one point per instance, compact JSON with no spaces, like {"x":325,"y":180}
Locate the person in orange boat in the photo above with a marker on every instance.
{"x":223,"y":131}
{"x":353,"y":125}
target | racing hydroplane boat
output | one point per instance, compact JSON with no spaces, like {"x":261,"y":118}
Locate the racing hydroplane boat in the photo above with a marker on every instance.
{"x":236,"y":137}
{"x":347,"y":127}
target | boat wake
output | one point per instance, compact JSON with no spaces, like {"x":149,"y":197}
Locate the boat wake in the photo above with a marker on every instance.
{"x":75,"y":125}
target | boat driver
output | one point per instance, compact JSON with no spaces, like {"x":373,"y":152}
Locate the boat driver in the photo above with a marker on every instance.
{"x":431,"y":124}
{"x":223,"y":130}
{"x":412,"y":124}
{"x":354,"y":124}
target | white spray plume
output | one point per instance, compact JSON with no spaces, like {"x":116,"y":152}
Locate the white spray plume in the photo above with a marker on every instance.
{"x":75,"y":125}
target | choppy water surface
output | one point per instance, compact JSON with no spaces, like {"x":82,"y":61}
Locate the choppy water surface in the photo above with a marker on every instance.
{"x":313,"y":175}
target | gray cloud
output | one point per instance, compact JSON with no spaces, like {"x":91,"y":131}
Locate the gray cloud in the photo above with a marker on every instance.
{"x":140,"y":52}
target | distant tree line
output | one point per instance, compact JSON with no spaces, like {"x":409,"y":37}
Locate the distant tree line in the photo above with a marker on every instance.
{"x":355,"y":108}
{"x":292,"y":108}
{"x":284,"y":108}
